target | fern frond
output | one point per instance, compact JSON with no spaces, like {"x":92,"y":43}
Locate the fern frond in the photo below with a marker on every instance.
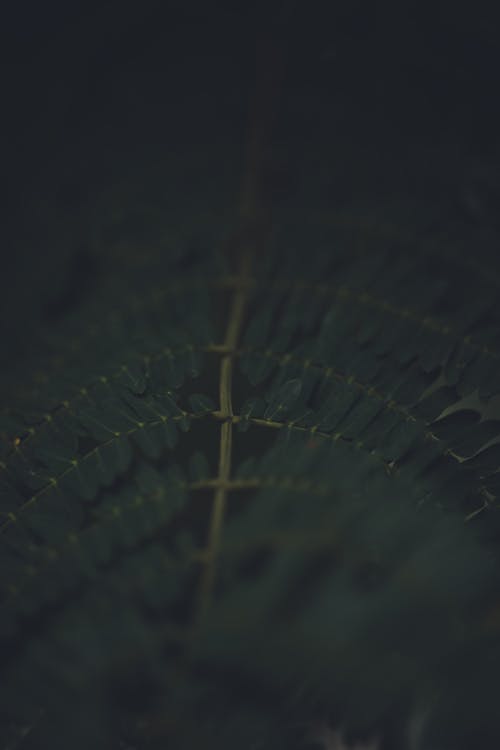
{"x":252,"y":480}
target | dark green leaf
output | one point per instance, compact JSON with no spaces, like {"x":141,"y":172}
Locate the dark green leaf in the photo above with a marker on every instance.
{"x":253,"y":407}
{"x":430,"y":407}
{"x":455,"y":425}
{"x":281,"y":400}
{"x":341,"y":399}
{"x":476,"y":437}
{"x":486,"y":462}
{"x":133,"y":377}
{"x":150,"y":440}
{"x":201,"y":404}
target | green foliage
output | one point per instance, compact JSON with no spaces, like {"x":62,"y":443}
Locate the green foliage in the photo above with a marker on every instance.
{"x":353,"y":571}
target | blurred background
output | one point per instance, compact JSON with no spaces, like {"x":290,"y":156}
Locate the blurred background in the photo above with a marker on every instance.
{"x":124,"y":127}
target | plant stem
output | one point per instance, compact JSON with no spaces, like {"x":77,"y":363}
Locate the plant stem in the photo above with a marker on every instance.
{"x":234,"y":325}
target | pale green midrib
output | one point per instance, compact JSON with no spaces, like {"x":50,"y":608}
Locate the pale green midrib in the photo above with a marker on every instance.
{"x":234,"y":325}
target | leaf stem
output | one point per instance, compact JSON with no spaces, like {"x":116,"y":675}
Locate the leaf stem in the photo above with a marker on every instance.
{"x":234,"y":325}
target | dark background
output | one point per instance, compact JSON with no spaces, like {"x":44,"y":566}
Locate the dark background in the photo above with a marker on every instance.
{"x":125,"y":122}
{"x":124,"y":127}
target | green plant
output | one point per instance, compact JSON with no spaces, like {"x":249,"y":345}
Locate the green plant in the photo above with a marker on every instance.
{"x":174,"y":564}
{"x":239,"y":492}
